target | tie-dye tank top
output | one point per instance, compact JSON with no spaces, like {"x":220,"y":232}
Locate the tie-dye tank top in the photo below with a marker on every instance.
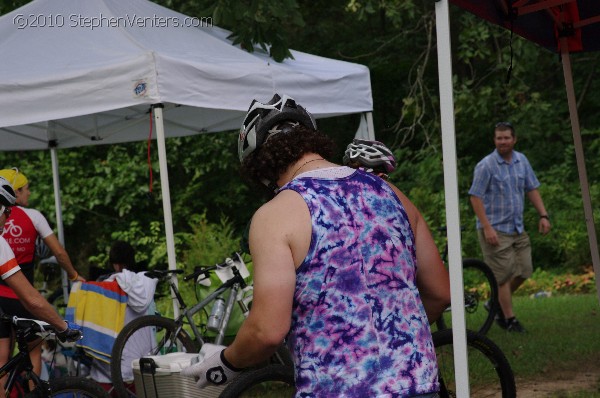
{"x":359,"y":328}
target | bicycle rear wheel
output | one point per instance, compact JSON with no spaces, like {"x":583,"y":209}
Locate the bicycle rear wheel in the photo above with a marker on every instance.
{"x":144,"y":336}
{"x":490,"y":374}
{"x":272,"y":381}
{"x":480,"y":287}
{"x":70,"y":387}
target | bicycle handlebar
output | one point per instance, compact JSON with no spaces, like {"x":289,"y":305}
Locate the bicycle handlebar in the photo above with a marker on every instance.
{"x":202,"y":271}
{"x":162,"y":274}
{"x":24,"y":323}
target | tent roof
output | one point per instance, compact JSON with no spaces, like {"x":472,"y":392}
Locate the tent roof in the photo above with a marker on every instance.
{"x":535,"y":20}
{"x":96,"y":83}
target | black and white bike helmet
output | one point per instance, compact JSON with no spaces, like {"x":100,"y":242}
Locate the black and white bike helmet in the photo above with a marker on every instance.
{"x":369,"y":154}
{"x":280,"y":114}
{"x":7,"y":193}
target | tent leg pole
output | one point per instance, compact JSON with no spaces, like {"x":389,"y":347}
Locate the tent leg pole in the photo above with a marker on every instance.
{"x":370,"y":125}
{"x":59,"y":223}
{"x":442,"y":17}
{"x":164,"y":183}
{"x":583,"y":179}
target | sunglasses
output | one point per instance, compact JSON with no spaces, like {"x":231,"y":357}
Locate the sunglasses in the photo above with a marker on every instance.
{"x":7,"y":211}
{"x":504,"y":124}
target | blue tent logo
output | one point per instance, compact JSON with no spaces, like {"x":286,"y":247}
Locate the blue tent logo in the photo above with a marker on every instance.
{"x":140,"y":87}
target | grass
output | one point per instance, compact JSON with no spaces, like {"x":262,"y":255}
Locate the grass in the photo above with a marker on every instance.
{"x":563,"y":338}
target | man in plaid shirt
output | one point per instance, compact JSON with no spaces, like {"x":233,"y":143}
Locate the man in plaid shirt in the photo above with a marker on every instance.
{"x":500,"y":183}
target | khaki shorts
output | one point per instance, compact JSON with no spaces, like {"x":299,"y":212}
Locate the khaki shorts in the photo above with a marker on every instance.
{"x":510,"y":259}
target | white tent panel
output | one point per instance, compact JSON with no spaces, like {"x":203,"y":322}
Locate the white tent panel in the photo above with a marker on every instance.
{"x":98,"y":83}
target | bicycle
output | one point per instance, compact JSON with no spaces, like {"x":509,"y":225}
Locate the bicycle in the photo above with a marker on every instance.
{"x":170,"y":335}
{"x":20,"y":369}
{"x":490,"y":375}
{"x":480,"y":294}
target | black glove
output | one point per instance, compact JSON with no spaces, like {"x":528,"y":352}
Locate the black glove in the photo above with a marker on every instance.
{"x":71,"y":334}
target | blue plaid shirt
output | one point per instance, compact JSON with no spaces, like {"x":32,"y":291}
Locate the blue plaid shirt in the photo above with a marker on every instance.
{"x":502,"y":186}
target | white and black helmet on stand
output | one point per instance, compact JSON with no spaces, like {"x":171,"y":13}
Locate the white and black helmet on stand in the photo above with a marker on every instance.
{"x":280,"y":114}
{"x":370,"y":154}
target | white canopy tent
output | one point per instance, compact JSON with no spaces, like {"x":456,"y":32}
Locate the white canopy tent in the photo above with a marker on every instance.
{"x":89,"y":72}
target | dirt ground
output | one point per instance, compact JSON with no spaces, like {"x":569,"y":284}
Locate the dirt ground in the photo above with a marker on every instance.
{"x":557,"y":385}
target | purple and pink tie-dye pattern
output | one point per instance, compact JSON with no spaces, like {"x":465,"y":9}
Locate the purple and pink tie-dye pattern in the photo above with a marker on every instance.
{"x":359,"y":328}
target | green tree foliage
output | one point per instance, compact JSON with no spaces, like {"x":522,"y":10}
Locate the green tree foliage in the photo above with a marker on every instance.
{"x":256,"y":22}
{"x":105,"y":189}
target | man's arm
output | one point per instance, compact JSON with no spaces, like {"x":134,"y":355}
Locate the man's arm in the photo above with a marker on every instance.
{"x":33,"y":301}
{"x":272,"y":233}
{"x":490,"y":233}
{"x":536,"y":199}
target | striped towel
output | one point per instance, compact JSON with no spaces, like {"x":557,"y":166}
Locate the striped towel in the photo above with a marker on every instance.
{"x":99,"y":308}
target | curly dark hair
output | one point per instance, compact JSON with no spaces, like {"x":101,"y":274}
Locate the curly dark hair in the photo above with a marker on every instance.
{"x":281,"y":150}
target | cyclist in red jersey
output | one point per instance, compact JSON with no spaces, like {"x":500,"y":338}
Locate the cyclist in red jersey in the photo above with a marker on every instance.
{"x":21,"y":230}
{"x":26,"y":294}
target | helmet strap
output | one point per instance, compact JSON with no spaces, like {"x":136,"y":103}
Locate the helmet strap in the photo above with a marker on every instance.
{"x":271,"y":185}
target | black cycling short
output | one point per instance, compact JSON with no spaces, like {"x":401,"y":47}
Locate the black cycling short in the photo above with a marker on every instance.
{"x":11,"y":307}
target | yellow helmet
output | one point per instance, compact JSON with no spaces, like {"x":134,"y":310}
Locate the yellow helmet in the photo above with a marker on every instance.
{"x":14,"y":177}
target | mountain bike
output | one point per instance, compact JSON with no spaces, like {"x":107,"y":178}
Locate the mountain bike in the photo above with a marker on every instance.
{"x":156,"y":335}
{"x":480,"y":293}
{"x":490,"y":374}
{"x":20,"y":369}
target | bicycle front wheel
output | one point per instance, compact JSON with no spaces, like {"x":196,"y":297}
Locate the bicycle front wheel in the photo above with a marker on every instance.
{"x":490,"y":374}
{"x":481,"y":291}
{"x":70,"y":387}
{"x":272,"y":381}
{"x":144,"y":336}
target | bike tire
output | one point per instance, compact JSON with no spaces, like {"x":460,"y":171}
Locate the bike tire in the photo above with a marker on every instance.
{"x":269,"y":381}
{"x":70,"y":387}
{"x":480,"y":286}
{"x":163,"y":329}
{"x":490,"y":374}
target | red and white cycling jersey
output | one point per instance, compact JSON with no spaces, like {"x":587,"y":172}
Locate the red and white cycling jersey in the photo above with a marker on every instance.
{"x":21,"y":230}
{"x":8,"y":263}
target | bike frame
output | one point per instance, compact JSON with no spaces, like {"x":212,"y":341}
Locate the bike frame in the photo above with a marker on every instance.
{"x":19,"y":363}
{"x":234,"y":284}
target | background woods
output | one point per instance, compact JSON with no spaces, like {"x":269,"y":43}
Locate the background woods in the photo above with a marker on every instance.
{"x":105,"y":189}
